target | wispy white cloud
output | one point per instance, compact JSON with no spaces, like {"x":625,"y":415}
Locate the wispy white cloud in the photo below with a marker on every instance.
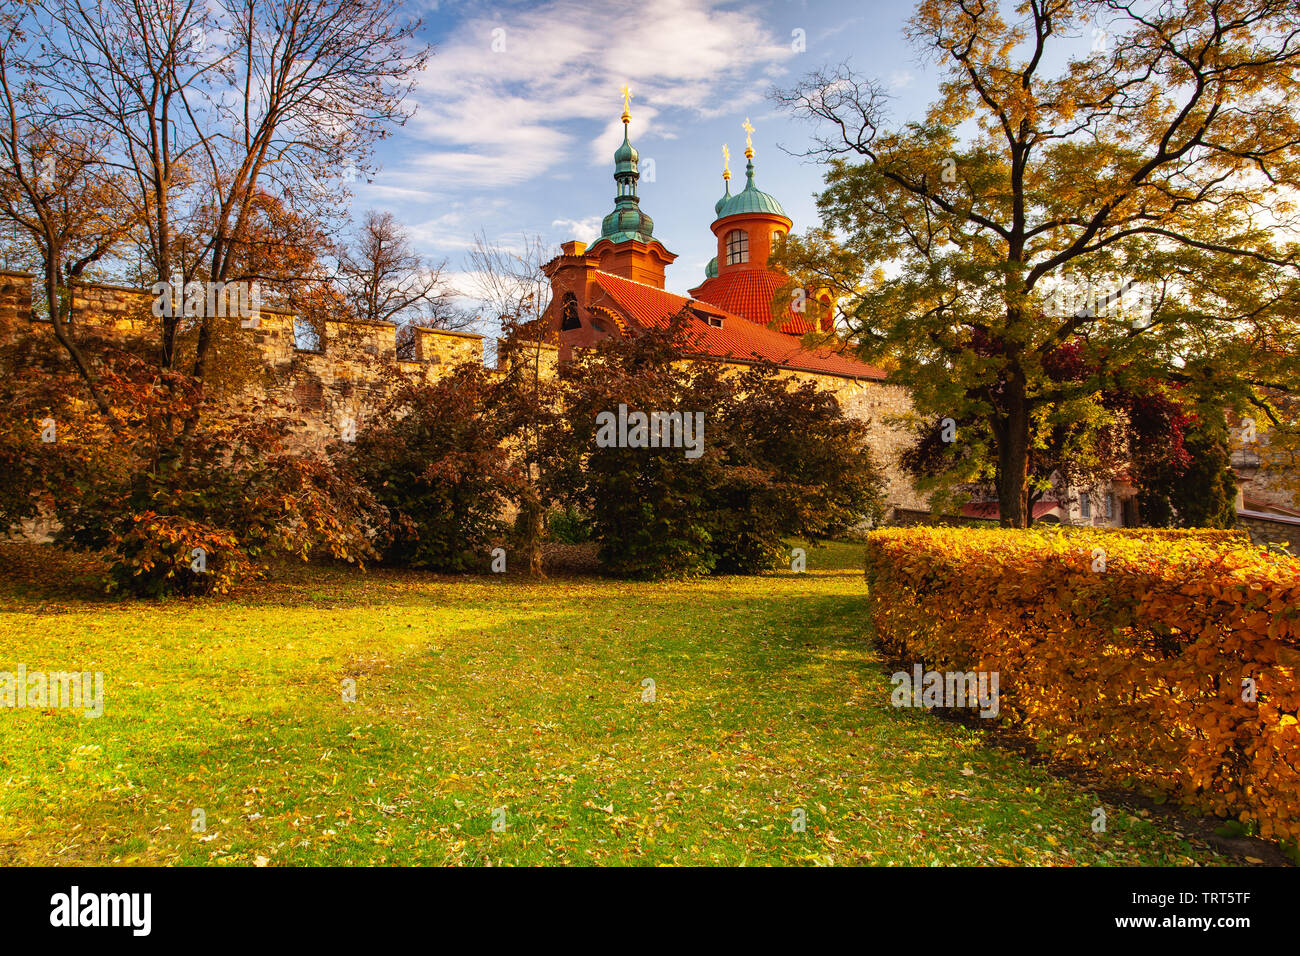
{"x":901,"y":79}
{"x":513,"y":94}
{"x":585,"y":230}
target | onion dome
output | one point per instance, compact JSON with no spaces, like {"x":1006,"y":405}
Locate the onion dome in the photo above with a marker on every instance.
{"x":627,"y":221}
{"x":751,"y":199}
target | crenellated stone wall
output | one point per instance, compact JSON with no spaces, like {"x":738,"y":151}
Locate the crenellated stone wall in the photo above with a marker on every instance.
{"x":340,"y":385}
{"x":330,"y":389}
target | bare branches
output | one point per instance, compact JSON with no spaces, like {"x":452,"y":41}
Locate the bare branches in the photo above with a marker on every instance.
{"x":853,"y":105}
{"x":509,"y":281}
{"x":212,"y":104}
{"x":383,"y":280}
{"x":55,"y":190}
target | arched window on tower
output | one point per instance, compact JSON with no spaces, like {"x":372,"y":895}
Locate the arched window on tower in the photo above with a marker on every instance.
{"x":569,"y":314}
{"x":737,"y":246}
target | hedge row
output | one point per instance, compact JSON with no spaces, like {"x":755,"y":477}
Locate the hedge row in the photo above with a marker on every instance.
{"x":1219,"y":536}
{"x":1132,"y":655}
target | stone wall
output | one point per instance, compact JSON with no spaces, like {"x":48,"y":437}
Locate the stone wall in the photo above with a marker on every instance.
{"x":1266,"y":529}
{"x":881,"y":408}
{"x":15,"y":300}
{"x":339,"y":385}
{"x":330,"y":389}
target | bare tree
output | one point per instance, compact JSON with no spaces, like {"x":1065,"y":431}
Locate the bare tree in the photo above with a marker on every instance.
{"x":125,"y":67}
{"x":515,"y":291}
{"x":56,"y":196}
{"x":509,"y":281}
{"x":384,"y":280}
{"x":217,"y":101}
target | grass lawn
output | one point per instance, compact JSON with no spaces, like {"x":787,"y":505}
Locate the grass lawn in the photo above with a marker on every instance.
{"x":482,"y":693}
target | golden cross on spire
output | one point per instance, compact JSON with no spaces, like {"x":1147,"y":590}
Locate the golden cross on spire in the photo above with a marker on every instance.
{"x":726,"y":162}
{"x":749,"y":138}
{"x":627,"y":102}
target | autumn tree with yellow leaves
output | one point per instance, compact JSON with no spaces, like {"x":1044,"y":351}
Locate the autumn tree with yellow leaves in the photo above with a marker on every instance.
{"x":1110,"y":177}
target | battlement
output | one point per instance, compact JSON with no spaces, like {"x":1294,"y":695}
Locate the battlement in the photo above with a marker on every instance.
{"x":332,"y":388}
{"x":128,"y":311}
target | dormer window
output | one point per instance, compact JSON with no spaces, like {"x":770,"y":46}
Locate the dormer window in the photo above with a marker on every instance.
{"x":737,"y":247}
{"x":708,"y":318}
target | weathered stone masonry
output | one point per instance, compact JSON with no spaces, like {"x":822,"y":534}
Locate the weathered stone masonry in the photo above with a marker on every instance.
{"x":327,"y":388}
{"x":342,"y":382}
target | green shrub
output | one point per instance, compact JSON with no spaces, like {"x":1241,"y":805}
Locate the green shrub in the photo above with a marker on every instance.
{"x":435,"y":459}
{"x":568,"y":526}
{"x":772,"y":461}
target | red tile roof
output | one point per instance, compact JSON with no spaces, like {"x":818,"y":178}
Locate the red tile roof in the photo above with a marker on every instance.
{"x":990,"y":509}
{"x":1251,"y":503}
{"x":737,"y":339}
{"x":749,"y":292}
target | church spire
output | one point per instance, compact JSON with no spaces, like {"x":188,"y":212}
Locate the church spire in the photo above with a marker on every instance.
{"x":749,"y":153}
{"x":726,"y":179}
{"x":627,"y":221}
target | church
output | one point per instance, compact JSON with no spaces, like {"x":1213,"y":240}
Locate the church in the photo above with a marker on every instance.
{"x":615,"y":288}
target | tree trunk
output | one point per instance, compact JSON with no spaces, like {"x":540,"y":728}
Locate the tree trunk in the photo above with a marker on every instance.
{"x":532,"y":537}
{"x":1012,"y":432}
{"x":534,"y":504}
{"x":60,"y":322}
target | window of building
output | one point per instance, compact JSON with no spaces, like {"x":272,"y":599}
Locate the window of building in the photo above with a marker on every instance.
{"x":737,"y":246}
{"x":708,"y":318}
{"x":1085,"y":505}
{"x":1110,"y":506}
{"x":569,"y":320}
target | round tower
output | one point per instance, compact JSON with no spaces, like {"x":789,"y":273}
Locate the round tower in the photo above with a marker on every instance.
{"x":748,"y":227}
{"x":750,"y":223}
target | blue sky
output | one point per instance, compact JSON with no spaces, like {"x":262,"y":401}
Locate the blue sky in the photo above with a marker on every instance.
{"x":522,"y":140}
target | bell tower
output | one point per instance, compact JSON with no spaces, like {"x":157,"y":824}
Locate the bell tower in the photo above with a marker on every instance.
{"x":627,"y":246}
{"x":749,"y":226}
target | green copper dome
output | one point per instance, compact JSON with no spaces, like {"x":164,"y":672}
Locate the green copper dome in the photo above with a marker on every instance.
{"x":711,"y":270}
{"x":626,"y":155}
{"x":627,"y":221}
{"x":726,"y":198}
{"x":750,"y":200}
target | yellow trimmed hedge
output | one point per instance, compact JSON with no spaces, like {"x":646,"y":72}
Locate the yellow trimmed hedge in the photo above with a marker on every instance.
{"x":1223,"y":537}
{"x":1125,"y":653}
